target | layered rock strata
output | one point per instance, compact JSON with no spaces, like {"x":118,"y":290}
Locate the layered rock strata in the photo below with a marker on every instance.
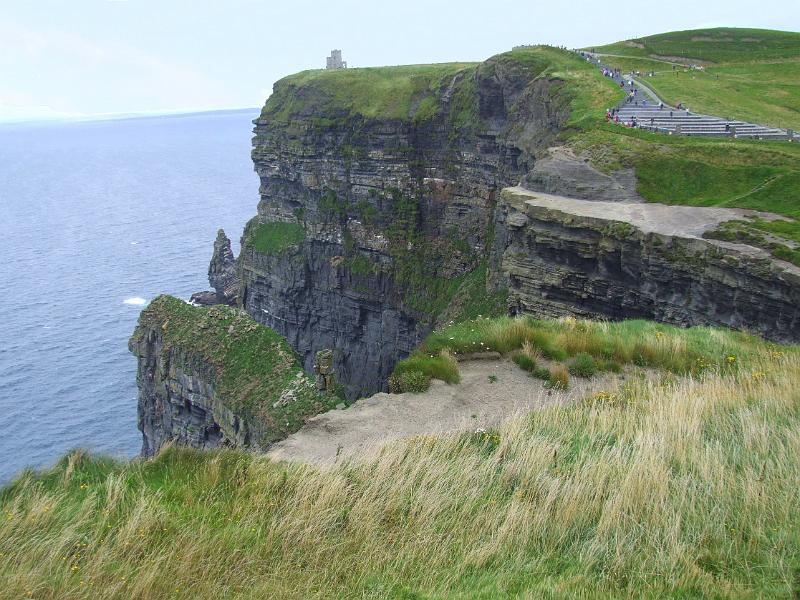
{"x":222,"y":271}
{"x":396,"y":210}
{"x":213,"y":377}
{"x":563,"y":256}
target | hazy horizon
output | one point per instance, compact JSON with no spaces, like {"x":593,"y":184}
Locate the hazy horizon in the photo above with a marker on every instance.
{"x":110,"y":58}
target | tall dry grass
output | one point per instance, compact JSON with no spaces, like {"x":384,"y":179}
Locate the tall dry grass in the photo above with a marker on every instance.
{"x":688,"y":488}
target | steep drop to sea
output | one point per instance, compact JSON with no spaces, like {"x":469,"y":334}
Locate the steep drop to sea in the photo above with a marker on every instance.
{"x":99,"y":218}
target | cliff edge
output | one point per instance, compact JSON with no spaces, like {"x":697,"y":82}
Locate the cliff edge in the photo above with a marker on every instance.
{"x":211,"y":377}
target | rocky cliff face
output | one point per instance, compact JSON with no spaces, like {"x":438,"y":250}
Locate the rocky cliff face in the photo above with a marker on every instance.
{"x":561,"y":256}
{"x":395,"y":209}
{"x":222,"y":271}
{"x":213,"y":377}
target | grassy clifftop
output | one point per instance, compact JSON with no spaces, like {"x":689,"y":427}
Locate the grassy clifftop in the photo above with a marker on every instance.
{"x":417,"y":92}
{"x":751,"y":74}
{"x":376,"y":92}
{"x":668,"y":487}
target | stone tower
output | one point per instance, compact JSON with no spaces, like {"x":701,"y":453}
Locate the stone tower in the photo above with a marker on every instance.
{"x":334,"y":61}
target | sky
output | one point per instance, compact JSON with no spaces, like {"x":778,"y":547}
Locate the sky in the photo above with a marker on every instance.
{"x":78,"y":58}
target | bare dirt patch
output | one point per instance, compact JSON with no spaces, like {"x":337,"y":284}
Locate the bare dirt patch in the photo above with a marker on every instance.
{"x":490,"y":392}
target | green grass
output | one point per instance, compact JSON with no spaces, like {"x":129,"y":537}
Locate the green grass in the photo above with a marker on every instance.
{"x":757,"y":81}
{"x":682,"y":489}
{"x":415,"y":372}
{"x":716,"y":45}
{"x":583,"y":365}
{"x":753,"y":233}
{"x":525,"y":362}
{"x":401,"y":93}
{"x":251,"y":364}
{"x":591,"y":345}
{"x":275,"y":237}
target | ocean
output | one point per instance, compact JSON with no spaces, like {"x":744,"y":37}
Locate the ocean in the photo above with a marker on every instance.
{"x":97,"y":219}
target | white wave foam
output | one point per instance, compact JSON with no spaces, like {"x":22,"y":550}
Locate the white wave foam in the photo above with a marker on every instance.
{"x":135,"y":301}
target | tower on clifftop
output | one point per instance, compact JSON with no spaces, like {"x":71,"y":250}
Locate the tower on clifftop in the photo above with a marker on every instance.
{"x":334,"y":61}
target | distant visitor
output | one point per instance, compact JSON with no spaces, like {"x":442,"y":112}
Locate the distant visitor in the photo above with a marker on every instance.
{"x":334,"y":61}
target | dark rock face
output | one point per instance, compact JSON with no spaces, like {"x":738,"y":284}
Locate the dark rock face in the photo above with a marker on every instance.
{"x":178,"y":401}
{"x":222,"y":273}
{"x":562,"y":173}
{"x":557,"y":261}
{"x":211,"y":377}
{"x":393,"y":210}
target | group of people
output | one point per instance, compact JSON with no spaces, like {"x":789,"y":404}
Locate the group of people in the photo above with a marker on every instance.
{"x":633,"y":95}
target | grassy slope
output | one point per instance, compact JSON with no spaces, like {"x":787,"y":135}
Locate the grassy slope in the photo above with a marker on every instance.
{"x":750,"y":74}
{"x":676,"y":488}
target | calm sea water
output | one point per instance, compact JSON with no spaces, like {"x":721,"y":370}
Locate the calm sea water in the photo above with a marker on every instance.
{"x":97,"y":217}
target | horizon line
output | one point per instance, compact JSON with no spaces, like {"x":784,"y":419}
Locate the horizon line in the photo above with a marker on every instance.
{"x":85,"y":118}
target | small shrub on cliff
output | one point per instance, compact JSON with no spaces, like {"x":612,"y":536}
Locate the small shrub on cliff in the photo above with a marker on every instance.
{"x":410,"y":381}
{"x":583,"y":365}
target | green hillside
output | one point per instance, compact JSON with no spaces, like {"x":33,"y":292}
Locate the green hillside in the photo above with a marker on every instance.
{"x":670,"y":487}
{"x":749,"y":74}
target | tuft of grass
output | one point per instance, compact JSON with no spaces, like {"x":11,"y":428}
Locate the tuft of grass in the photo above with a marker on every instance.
{"x":274,"y":237}
{"x":409,"y":381}
{"x":441,"y":365}
{"x":583,"y":365}
{"x":542,"y":373}
{"x":525,"y":362}
{"x":559,"y":377}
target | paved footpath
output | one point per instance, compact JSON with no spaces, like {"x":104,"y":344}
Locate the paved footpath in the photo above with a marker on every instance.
{"x":644,"y":109}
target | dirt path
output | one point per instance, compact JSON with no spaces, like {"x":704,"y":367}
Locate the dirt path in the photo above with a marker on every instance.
{"x":475,"y":402}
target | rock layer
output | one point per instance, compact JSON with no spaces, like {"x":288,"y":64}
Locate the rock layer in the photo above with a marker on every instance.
{"x":222,"y":271}
{"x":562,"y":256}
{"x":396,"y":211}
{"x":211,"y":377}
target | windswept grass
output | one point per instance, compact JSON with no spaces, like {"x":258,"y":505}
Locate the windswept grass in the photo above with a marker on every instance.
{"x":415,"y":372}
{"x":658,"y":490}
{"x":593,"y":345}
